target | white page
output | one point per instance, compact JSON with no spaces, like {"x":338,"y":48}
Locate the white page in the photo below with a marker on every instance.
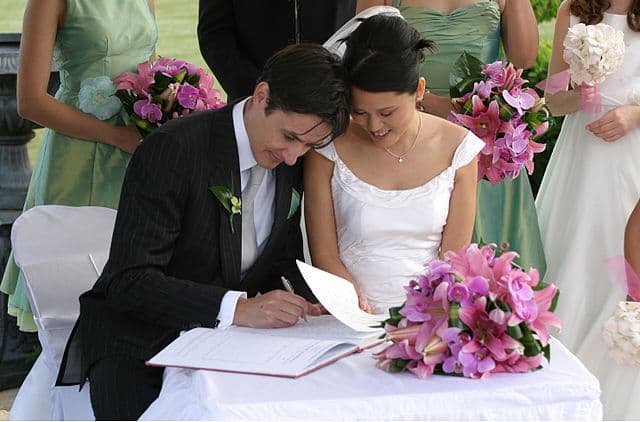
{"x":326,"y":327}
{"x":248,"y":351}
{"x":339,"y":297}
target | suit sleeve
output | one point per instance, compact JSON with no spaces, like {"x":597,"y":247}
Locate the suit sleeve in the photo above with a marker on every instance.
{"x":219,"y":45}
{"x":135,"y":280}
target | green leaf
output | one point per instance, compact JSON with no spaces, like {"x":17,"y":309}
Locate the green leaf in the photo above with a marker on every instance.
{"x":454,"y":320}
{"x":394,"y":316}
{"x":161,"y":82}
{"x":144,"y":127}
{"x":531,"y":345}
{"x":224,"y":196}
{"x":505,"y":110}
{"x":466,"y":70}
{"x":193,"y":80}
{"x":295,"y":203}
{"x":547,"y":352}
{"x":398,"y":365}
{"x":180,"y":76}
{"x":514,"y":332}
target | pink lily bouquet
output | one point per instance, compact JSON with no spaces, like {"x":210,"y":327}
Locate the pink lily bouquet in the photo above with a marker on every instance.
{"x":497,"y":106}
{"x":473,"y":314}
{"x":165,"y":90}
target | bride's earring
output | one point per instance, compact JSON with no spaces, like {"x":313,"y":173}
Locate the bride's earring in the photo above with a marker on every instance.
{"x":419,"y":105}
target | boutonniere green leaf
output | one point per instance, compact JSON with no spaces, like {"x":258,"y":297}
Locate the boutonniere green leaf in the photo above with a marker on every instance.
{"x":295,"y":203}
{"x":229,"y":201}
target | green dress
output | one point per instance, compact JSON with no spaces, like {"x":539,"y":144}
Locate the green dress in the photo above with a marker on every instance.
{"x":98,"y":38}
{"x":505,"y":211}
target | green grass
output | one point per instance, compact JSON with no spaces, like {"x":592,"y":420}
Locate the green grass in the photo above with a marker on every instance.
{"x":177,"y":22}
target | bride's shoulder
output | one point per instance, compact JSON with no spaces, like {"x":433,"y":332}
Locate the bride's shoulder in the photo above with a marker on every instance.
{"x":445,"y":132}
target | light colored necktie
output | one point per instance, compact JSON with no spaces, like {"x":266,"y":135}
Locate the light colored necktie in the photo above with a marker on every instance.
{"x":249,"y":242}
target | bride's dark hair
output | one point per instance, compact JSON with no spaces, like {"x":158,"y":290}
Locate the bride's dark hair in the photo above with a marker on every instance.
{"x":384,"y":54}
{"x":591,"y":12}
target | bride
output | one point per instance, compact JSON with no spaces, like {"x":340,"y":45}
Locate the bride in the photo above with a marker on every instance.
{"x":399,"y":188}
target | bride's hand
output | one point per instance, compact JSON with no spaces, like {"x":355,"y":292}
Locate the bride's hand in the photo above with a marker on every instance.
{"x":363,"y":303}
{"x":616,"y":123}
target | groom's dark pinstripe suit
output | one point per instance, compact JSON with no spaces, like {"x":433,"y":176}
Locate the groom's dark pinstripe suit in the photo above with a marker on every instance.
{"x":173,"y":255}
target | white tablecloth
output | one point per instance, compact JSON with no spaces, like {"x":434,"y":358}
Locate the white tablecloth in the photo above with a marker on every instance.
{"x":354,"y":389}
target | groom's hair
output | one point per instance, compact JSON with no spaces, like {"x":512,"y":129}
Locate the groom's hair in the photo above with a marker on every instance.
{"x":308,"y":79}
{"x":384,"y":54}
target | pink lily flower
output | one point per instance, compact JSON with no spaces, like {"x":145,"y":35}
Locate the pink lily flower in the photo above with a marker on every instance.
{"x":484,"y":121}
{"x":136,"y":82}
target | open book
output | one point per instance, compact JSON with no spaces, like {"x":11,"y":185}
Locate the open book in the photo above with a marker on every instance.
{"x":287,"y":352}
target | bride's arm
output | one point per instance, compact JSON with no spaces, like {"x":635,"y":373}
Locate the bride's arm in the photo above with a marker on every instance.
{"x":320,"y":220}
{"x":563,"y":102}
{"x":462,"y":209}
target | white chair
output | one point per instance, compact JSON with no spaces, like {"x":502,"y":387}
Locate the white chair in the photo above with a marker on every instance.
{"x":61,"y":251}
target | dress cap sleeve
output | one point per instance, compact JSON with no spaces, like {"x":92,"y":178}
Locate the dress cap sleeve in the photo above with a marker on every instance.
{"x":328,"y":152}
{"x":470,"y":146}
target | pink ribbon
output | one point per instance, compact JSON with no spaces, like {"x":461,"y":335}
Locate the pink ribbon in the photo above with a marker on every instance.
{"x":625,"y":275}
{"x":591,"y":100}
{"x":590,"y":94}
{"x":555,"y":83}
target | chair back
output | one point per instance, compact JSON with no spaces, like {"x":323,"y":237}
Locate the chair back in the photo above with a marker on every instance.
{"x":61,"y":251}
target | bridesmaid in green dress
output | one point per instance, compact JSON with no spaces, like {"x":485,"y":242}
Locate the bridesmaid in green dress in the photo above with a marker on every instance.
{"x":87,"y":146}
{"x":505,"y":211}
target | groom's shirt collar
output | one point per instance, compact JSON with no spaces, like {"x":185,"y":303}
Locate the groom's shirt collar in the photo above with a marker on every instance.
{"x":245,"y":155}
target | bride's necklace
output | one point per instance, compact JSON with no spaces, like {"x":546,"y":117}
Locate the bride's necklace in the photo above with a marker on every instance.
{"x":400,"y":157}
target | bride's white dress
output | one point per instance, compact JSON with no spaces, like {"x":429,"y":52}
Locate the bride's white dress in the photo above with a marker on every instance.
{"x":588,"y":192}
{"x":385,"y":237}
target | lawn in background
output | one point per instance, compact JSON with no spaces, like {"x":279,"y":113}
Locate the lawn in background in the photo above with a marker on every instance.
{"x":177,"y":21}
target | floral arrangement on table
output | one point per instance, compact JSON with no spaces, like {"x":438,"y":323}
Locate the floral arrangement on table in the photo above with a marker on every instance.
{"x":495,"y":103}
{"x":621,"y":332}
{"x":165,"y":90}
{"x":593,"y":52}
{"x":473,"y":314}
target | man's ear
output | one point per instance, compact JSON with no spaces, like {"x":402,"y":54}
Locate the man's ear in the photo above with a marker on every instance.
{"x":261,"y":94}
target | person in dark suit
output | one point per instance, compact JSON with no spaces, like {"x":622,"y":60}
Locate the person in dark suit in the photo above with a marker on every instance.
{"x":237,"y":36}
{"x":178,"y":256}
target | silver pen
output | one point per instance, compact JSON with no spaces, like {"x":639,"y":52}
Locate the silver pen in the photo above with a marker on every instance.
{"x":288,"y":287}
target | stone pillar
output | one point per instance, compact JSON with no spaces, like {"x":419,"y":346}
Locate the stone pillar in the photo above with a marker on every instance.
{"x":16,"y":348}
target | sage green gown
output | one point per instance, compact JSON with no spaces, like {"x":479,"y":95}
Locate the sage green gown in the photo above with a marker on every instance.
{"x":98,"y":38}
{"x":505,"y":211}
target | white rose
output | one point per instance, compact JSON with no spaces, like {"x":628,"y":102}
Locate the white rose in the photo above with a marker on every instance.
{"x":621,"y":333}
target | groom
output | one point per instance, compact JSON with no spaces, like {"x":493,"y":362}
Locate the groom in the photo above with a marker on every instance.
{"x":182,"y":255}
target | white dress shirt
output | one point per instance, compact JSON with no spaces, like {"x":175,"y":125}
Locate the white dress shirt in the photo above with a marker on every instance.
{"x":264,"y":205}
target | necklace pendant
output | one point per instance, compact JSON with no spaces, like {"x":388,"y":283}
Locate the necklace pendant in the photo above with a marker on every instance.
{"x":400,"y":160}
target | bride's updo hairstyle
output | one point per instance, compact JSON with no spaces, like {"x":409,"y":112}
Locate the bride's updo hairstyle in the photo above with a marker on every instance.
{"x":591,"y":12}
{"x":384,"y":54}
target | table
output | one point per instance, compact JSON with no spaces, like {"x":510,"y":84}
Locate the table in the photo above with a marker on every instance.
{"x":353,"y":388}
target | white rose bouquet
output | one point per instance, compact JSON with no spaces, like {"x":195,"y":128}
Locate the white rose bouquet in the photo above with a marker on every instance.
{"x":621,"y":332}
{"x":592,"y":52}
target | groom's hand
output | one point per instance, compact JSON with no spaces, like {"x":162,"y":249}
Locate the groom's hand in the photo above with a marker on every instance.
{"x":274,"y":309}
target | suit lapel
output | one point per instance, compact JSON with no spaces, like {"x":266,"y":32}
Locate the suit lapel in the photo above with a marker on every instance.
{"x":226,"y":172}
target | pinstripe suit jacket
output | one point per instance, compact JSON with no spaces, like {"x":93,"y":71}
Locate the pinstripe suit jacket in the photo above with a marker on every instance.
{"x":173,"y":255}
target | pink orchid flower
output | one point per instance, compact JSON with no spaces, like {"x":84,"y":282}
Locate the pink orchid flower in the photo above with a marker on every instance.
{"x":519,"y":99}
